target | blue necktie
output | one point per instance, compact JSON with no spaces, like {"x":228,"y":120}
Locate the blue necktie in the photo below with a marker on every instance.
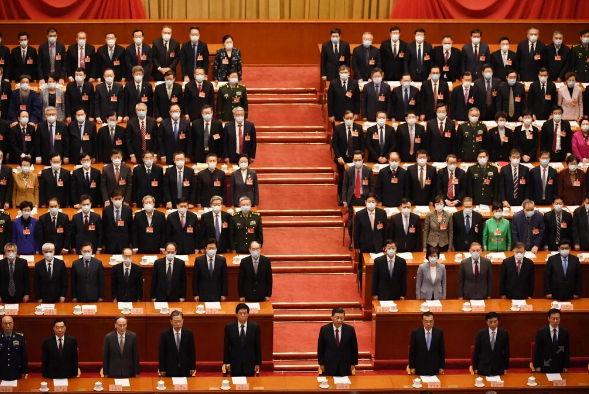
{"x":217,"y":228}
{"x":195,"y":54}
{"x":428,"y":339}
{"x":554,"y":339}
{"x":242,"y":335}
{"x":565,"y":264}
{"x":467,"y":223}
{"x":176,"y":131}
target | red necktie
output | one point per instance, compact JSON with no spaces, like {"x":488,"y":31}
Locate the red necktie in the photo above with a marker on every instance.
{"x":86,"y":223}
{"x":117,"y":174}
{"x":240,"y":142}
{"x":200,"y":87}
{"x":337,"y":337}
{"x":441,"y":129}
{"x":60,"y":347}
{"x":476,"y":269}
{"x":82,"y":60}
{"x":466,"y":97}
{"x":138,"y":56}
{"x":451,"y":186}
{"x":358,"y":186}
{"x":182,"y":221}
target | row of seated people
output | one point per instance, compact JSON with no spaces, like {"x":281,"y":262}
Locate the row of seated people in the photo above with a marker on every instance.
{"x":168,"y":276}
{"x":417,"y":57}
{"x":97,"y":101}
{"x":163,"y":55}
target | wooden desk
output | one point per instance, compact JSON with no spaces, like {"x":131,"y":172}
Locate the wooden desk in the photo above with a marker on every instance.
{"x":90,"y":330}
{"x":460,"y":329}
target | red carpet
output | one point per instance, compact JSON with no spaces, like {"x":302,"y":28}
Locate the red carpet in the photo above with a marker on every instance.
{"x":296,"y":241}
{"x":281,"y":77}
{"x":293,"y":155}
{"x":286,"y":114}
{"x":314,"y":288}
{"x":291,"y":197}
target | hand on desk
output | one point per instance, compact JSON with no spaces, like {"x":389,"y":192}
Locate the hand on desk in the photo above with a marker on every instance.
{"x":162,"y":374}
{"x":257,"y":369}
{"x":549,"y":296}
{"x":242,"y":299}
{"x":412,"y":371}
{"x":322,"y":367}
{"x":441,"y":371}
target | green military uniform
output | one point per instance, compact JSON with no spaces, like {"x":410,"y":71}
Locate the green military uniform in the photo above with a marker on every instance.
{"x":483,"y":184}
{"x":13,"y":356}
{"x":5,"y":229}
{"x":497,"y":235}
{"x":470,"y":140}
{"x":580,"y":62}
{"x":245,"y":229}
{"x":230,"y":97}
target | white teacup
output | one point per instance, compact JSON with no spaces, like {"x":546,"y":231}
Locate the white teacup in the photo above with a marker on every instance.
{"x":581,"y":256}
{"x":416,"y":382}
{"x":393,"y":307}
{"x":458,"y":257}
{"x":424,"y":307}
{"x":225,"y":384}
{"x":532,"y":381}
{"x":478,"y":381}
{"x":224,"y":167}
{"x":515,"y":307}
{"x":200,"y":308}
{"x":324,"y":385}
{"x":38,"y":309}
{"x":113,"y":259}
{"x":126,"y":309}
{"x":77,"y":309}
{"x":466,"y":306}
{"x":98,"y":386}
{"x":144,"y":260}
{"x":161,"y":385}
{"x":2,"y":309}
{"x":555,"y":305}
{"x":165,"y":309}
{"x":44,"y":386}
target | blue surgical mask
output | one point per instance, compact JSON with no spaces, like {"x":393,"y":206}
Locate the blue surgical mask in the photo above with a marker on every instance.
{"x":211,"y":253}
{"x":511,"y":81}
{"x":571,"y":84}
{"x":377,"y":80}
{"x":141,"y":114}
{"x":116,"y":162}
{"x":441,"y":115}
{"x":335,"y":40}
{"x":367,"y":43}
{"x":435,"y":77}
{"x":10,"y":256}
{"x":488,"y":75}
{"x":433,"y":259}
{"x":52,"y":40}
{"x":406,"y":84}
{"x":391,"y":252}
{"x":439,"y":207}
{"x":48,"y":256}
{"x":255,"y":255}
{"x":564,"y":252}
{"x":26,"y":214}
{"x":529,"y":214}
{"x":246,"y":208}
{"x":87,"y":256}
{"x":544,"y":162}
{"x":558,"y":42}
{"x":558,"y":207}
{"x":467,"y":211}
{"x":475,"y":255}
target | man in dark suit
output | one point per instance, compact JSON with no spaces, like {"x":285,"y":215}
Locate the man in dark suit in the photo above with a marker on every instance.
{"x":580,"y":228}
{"x":148,"y":180}
{"x":448,"y":59}
{"x":51,"y":58}
{"x":531,"y":56}
{"x":6,"y":181}
{"x":165,"y":54}
{"x":138,"y":54}
{"x":59,"y":353}
{"x":109,"y":98}
{"x":380,"y":140}
{"x":440,"y":131}
{"x":5,"y":91}
{"x":51,"y":137}
{"x":475,"y":277}
{"x":182,"y":228}
{"x":179,"y":181}
{"x":149,"y":229}
{"x":370,"y":227}
{"x":543,"y":181}
{"x":215,"y":224}
{"x":358,"y":183}
{"x":503,"y":59}
{"x":198,"y":93}
{"x":254,"y":282}
{"x":168,"y":277}
{"x":334,"y":54}
{"x":427,"y":354}
{"x":553,"y":131}
{"x":391,"y":182}
{"x":464,"y":97}
{"x":117,"y":224}
{"x":542,"y":96}
{"x":242,"y":351}
{"x":111,"y":136}
{"x":343,"y":95}
{"x":517,"y":275}
{"x":193,"y":54}
{"x":511,"y":97}
{"x":389,"y":275}
{"x":467,"y":225}
{"x":21,"y":139}
{"x":87,"y":277}
{"x":451,"y":182}
{"x":25,"y":99}
{"x":177,"y":354}
{"x":365,"y":58}
{"x":491,"y":348}
{"x":85,"y":180}
{"x":433,"y":93}
{"x":418,"y":57}
{"x":376,"y":96}
{"x":137,"y":90}
{"x":392,"y":55}
{"x":24,"y":59}
{"x":6,"y":62}
{"x":551,"y":351}
{"x":405,"y":229}
{"x":487,"y":86}
{"x":475,"y":55}
{"x":175,"y":135}
{"x":165,"y":95}
{"x":513,"y":191}
{"x":210,"y":182}
{"x":127,"y":280}
{"x":558,"y":58}
{"x":82,"y":137}
{"x":50,"y":277}
{"x":337,"y":346}
{"x":54,"y":227}
{"x":559,"y":225}
{"x":110,"y":56}
{"x":54,"y":182}
{"x":527,"y":226}
{"x":404,"y":99}
{"x":142,"y":134}
{"x":81,"y":55}
{"x":411,"y":138}
{"x":117,"y":363}
{"x":209,"y":281}
{"x":562,"y":276}
{"x":421,"y":180}
{"x":231,"y":138}
{"x":86,"y":227}
{"x":14,"y":277}
{"x":79,"y":94}
{"x":348,"y":138}
{"x":207,"y":134}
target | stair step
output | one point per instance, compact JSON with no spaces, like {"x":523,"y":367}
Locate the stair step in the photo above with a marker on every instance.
{"x":283,"y":129}
{"x":295,"y":138}
{"x":311,"y":365}
{"x":299,"y":212}
{"x":320,"y":221}
{"x":313,"y":315}
{"x":251,"y":91}
{"x":283,"y":99}
{"x":307,"y":179}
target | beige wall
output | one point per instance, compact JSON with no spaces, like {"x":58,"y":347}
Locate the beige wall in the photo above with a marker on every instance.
{"x":268,"y":9}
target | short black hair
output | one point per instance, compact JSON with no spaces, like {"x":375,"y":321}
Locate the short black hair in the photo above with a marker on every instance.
{"x":240,"y":306}
{"x":59,"y":320}
{"x":210,"y":241}
{"x":504,"y":39}
{"x":337,"y":310}
{"x":553,"y":311}
{"x":492,"y":315}
{"x":25,"y":204}
{"x":175,"y":313}
{"x":474,"y":31}
{"x":116,"y":193}
{"x":336,"y":30}
{"x":181,"y":200}
{"x":393,"y":28}
{"x":426,"y":314}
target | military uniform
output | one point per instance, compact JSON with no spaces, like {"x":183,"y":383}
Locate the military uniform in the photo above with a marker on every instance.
{"x":470,"y":140}
{"x":245,"y":230}
{"x":580,"y":62}
{"x":13,"y":356}
{"x":228,"y":98}
{"x":5,"y":229}
{"x":483,"y":183}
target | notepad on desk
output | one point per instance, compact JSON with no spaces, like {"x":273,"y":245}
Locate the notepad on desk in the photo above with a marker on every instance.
{"x":123,"y":382}
{"x":430,"y":379}
{"x":553,"y":376}
{"x":341,"y":380}
{"x":239,"y":380}
{"x":493,"y":378}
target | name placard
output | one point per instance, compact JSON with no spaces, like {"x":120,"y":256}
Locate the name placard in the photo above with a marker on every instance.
{"x":526,"y":308}
{"x":88,"y":312}
{"x":434,"y":385}
{"x":50,"y":311}
{"x":60,"y":388}
{"x":381,"y":309}
{"x":211,"y":311}
{"x":498,"y":384}
{"x":566,"y":307}
{"x":342,"y":386}
{"x":253,"y":311}
{"x":180,"y":387}
{"x":6,"y":389}
{"x":242,"y":386}
{"x":477,"y":308}
{"x":137,"y":311}
{"x":435,"y":309}
{"x":561,"y":382}
{"x":11,"y":312}
{"x":115,"y":387}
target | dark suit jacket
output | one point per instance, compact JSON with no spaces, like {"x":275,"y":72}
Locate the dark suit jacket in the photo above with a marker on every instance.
{"x":168,"y":144}
{"x":186,"y":239}
{"x":159,"y":282}
{"x":547,"y":136}
{"x":230,"y":141}
{"x":132,"y":98}
{"x":370,"y":239}
{"x":86,"y":142}
{"x":363,"y":67}
{"x":74,"y":100}
{"x":462,"y":239}
{"x":79,"y":187}
{"x":118,"y":62}
{"x":411,"y":64}
{"x":144,"y":185}
{"x":187,"y":58}
{"x":544,"y":350}
{"x":470,"y":63}
{"x":6,"y":61}
{"x":117,"y":236}
{"x":539,"y":103}
{"x":338,"y":360}
{"x":410,"y":242}
{"x":440,"y":146}
{"x":188,"y":185}
{"x":87,"y":288}
{"x":558,"y":64}
{"x":209,"y":288}
{"x":174,"y":362}
{"x":131,"y":60}
{"x":442,"y":180}
{"x":44,"y":61}
{"x":580,"y":228}
{"x":487,"y":113}
{"x":519,"y":93}
{"x":49,"y":188}
{"x":424,"y":361}
{"x":80,"y":235}
{"x":373,"y":142}
{"x":6,"y":184}
{"x":385,"y":286}
{"x":108,"y":182}
{"x":339,"y":141}
{"x":404,"y":141}
{"x":134,"y":139}
{"x":397,"y":107}
{"x":209,"y":184}
{"x":243,"y":358}
{"x":451,"y":70}
{"x":60,"y":366}
{"x":513,"y":285}
{"x":105,"y":102}
{"x":5,"y":97}
{"x":519,"y":228}
{"x":165,"y":58}
{"x":72,"y":61}
{"x":418,"y":195}
{"x":255,"y":286}
{"x":500,"y":70}
{"x":506,"y":181}
{"x":567,"y":229}
{"x":116,"y":364}
{"x":207,"y":230}
{"x":562,"y":287}
{"x":130,"y":290}
{"x":29,"y":67}
{"x":161,"y":101}
{"x":239,"y":189}
{"x":194,"y":101}
{"x":526,"y":146}
{"x":21,"y":280}
{"x":391,"y":189}
{"x":16,"y":143}
{"x":216,"y":142}
{"x":33,"y":107}
{"x":329,"y":63}
{"x":427,"y":105}
{"x":50,"y":289}
{"x":149,"y":239}
{"x":106,"y":145}
{"x":349,"y":184}
{"x":527,"y":66}
{"x":391,"y":65}
{"x":472,"y":288}
{"x":499,"y":149}
{"x":339,"y":100}
{"x":60,"y":236}
{"x":373,"y":102}
{"x":459,"y":110}
{"x":487,"y":361}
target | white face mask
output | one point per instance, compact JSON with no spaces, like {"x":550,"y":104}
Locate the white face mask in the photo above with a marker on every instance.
{"x":441,"y":115}
{"x":519,"y":256}
{"x":148,"y":207}
{"x":405,"y":211}
{"x":452,"y":167}
{"x":239,"y":119}
{"x":527,"y":121}
{"x":411,"y":121}
{"x":473,"y":119}
{"x":585,"y":127}
{"x":86,"y":208}
{"x":482,"y":161}
{"x":170,"y":256}
{"x":141,"y":114}
{"x":394,"y":165}
{"x":55,"y":166}
{"x":243,"y":165}
{"x":371,"y":206}
{"x":87,"y":256}
{"x":395,"y":37}
{"x":116,"y":162}
{"x":358,"y":164}
{"x":466,"y":84}
{"x":377,"y":80}
{"x":108,"y":80}
{"x":200,"y":78}
{"x":112,"y":124}
{"x":533,"y":38}
{"x":51,"y":85}
{"x":81,"y":118}
{"x":348,"y":122}
{"x":182,"y":211}
{"x":51,"y":119}
{"x":229,"y":46}
{"x":24,"y":120}
{"x":24,"y":87}
{"x":216,"y":208}
{"x":117,"y":203}
{"x":501,"y":123}
{"x":166,"y":37}
{"x":476,"y":40}
{"x":515,"y":162}
{"x":81,"y":42}
{"x":110,"y":42}
{"x":179,"y":163}
{"x":25,"y":169}
{"x":421,"y":162}
{"x":419,"y":39}
{"x":138,"y":78}
{"x":344,"y":77}
{"x":175,"y":115}
{"x":381,"y":121}
{"x":212,"y":165}
{"x":86,"y":165}
{"x":138,"y":40}
{"x":439,"y":208}
{"x":207,"y":117}
{"x":194,"y":38}
{"x":447,"y":47}
{"x":24,"y":43}
{"x":557,"y":117}
{"x":169,"y":83}
{"x":498,"y":215}
{"x":233,"y":81}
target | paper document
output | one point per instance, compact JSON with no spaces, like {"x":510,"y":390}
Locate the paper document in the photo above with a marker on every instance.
{"x":451,"y":209}
{"x":387,"y":304}
{"x":376,"y":255}
{"x":123,"y":305}
{"x":406,"y":255}
{"x":122,"y":382}
{"x":183,"y":257}
{"x":148,"y":260}
{"x":160,"y":305}
{"x":421,"y":208}
{"x":477,"y":303}
{"x":430,"y":379}
{"x":544,"y":209}
{"x":439,"y":164}
{"x":529,"y":255}
{"x":239,"y":380}
{"x":496,"y":256}
{"x":570,"y":208}
{"x":9,"y":383}
{"x":483,"y":208}
{"x":556,"y":165}
{"x":11,"y":306}
{"x":516,"y":208}
{"x":212,"y":305}
{"x":433,"y":303}
{"x":179,"y":380}
{"x":341,"y":380}
{"x":320,"y":379}
{"x":252,"y":305}
{"x":237,"y":259}
{"x":493,"y":378}
{"x":60,"y":382}
{"x":553,"y":376}
{"x":518,"y":302}
{"x":391,"y":211}
{"x":529,"y":165}
{"x":48,"y":306}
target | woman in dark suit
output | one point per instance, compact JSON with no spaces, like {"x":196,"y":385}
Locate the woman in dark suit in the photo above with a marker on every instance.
{"x":571,"y":182}
{"x":227,"y":58}
{"x":526,"y":139}
{"x":500,"y":139}
{"x":24,"y":229}
{"x":244,"y":182}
